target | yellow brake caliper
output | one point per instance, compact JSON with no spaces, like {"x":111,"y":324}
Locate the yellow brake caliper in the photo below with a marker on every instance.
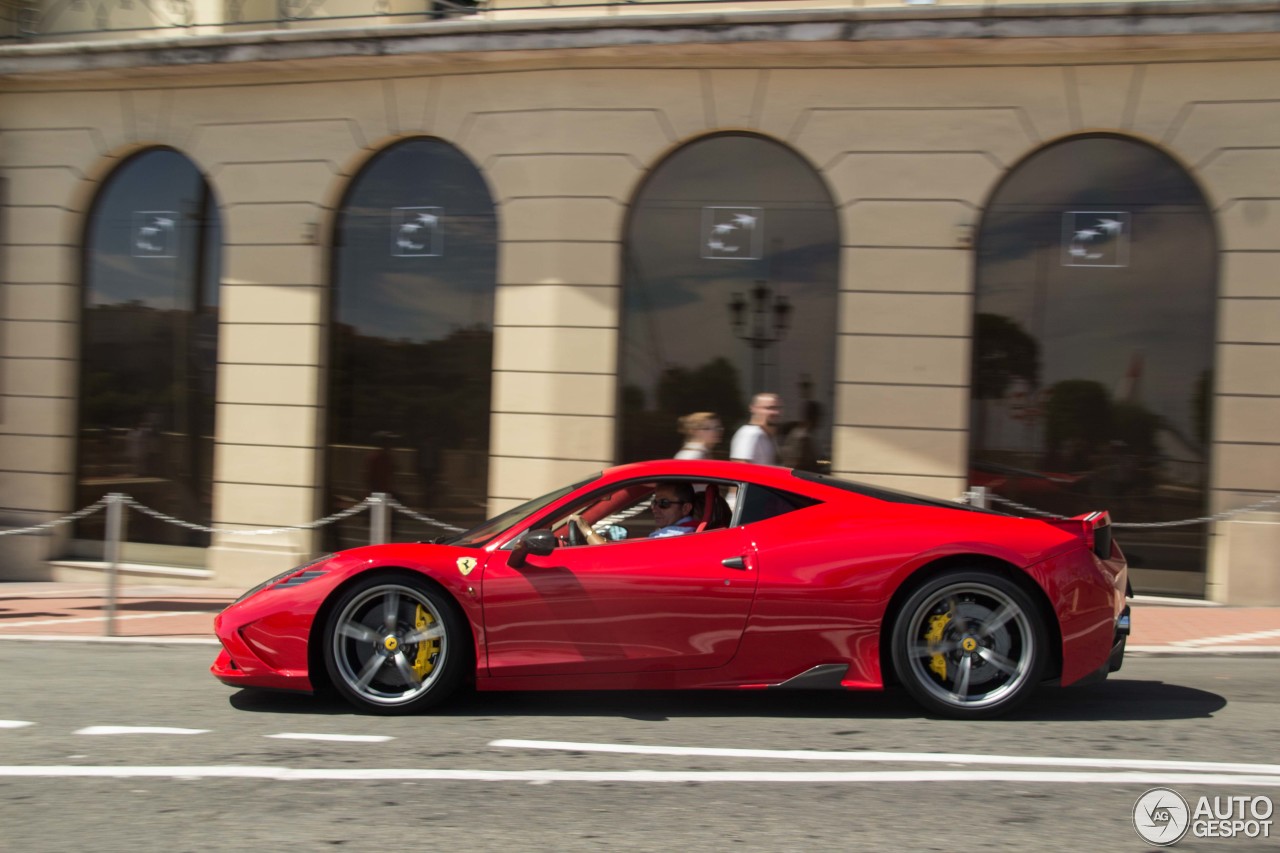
{"x":938,"y":624}
{"x":427,"y":649}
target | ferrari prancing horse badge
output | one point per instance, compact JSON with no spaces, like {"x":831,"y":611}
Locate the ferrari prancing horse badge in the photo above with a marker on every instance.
{"x":466,"y":564}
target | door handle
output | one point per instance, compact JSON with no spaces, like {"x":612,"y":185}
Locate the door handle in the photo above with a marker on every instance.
{"x":734,"y":563}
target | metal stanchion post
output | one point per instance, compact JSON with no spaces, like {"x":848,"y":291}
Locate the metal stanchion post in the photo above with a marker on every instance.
{"x":111,"y":547}
{"x":379,"y":520}
{"x":978,"y":497}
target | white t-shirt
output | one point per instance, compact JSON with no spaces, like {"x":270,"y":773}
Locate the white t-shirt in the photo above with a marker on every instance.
{"x":752,"y":443}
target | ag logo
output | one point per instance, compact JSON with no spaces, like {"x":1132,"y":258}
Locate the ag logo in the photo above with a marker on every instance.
{"x":466,"y":564}
{"x":1161,"y":817}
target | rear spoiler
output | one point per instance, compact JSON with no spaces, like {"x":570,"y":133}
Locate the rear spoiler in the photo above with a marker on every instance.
{"x":1093,"y":527}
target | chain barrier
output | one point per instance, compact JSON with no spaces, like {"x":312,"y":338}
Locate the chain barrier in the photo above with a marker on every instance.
{"x":417,"y":516}
{"x":966,"y":498}
{"x":66,"y":519}
{"x":129,"y":501}
{"x":264,"y":531}
{"x":1218,"y":516}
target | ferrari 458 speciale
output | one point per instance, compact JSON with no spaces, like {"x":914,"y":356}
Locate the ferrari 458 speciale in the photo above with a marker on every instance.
{"x":768,"y":578}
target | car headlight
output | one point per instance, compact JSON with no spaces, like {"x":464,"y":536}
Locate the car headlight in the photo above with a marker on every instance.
{"x":289,"y":577}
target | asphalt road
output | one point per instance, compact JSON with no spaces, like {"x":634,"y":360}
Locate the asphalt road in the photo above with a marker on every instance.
{"x":210,"y":770}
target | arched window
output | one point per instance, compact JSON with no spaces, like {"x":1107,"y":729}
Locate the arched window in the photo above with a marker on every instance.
{"x":731,"y":275}
{"x":149,"y":352}
{"x":411,"y":334}
{"x":1093,"y":344}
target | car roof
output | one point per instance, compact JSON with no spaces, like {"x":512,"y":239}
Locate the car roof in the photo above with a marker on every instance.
{"x":711,"y":468}
{"x":822,"y":486}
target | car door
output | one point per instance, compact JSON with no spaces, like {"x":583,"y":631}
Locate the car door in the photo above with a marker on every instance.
{"x":640,"y":605}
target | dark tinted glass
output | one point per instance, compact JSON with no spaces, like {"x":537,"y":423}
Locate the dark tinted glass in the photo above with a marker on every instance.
{"x":727,"y":219}
{"x":1093,"y":342}
{"x":412,"y":340}
{"x":759,"y":503}
{"x":889,"y":495}
{"x":150,"y":347}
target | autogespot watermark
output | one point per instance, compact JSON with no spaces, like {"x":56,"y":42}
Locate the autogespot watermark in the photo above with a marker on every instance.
{"x":1163,"y":817}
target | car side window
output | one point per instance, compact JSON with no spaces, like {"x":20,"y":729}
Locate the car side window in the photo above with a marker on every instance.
{"x":756,"y":503}
{"x":641,"y":510}
{"x":600,"y":517}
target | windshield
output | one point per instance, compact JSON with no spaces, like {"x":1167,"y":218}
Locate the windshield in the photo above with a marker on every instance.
{"x":477,"y":536}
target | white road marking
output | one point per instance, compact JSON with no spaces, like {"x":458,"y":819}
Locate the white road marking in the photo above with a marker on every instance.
{"x":14,"y":724}
{"x":1204,"y":651}
{"x":44,"y":623}
{"x":340,"y":738}
{"x":538,"y":777}
{"x":139,"y":730}
{"x":894,"y":757}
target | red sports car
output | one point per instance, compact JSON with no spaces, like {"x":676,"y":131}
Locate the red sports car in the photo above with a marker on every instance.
{"x":694,"y":575}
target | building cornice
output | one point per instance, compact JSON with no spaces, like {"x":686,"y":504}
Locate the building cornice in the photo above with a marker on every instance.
{"x":1062,"y":24}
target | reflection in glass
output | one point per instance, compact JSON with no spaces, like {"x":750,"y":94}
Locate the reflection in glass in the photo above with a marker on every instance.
{"x":150,"y":344}
{"x":1093,"y":342}
{"x":732,"y":255}
{"x":412,"y":341}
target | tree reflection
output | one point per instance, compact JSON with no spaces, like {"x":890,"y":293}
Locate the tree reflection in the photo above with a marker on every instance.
{"x":411,"y":340}
{"x":148,"y":361}
{"x":1091,"y":372}
{"x":422,"y":408}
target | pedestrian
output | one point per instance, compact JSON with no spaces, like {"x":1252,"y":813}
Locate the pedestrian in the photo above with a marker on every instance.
{"x":800,"y":447}
{"x":702,"y":432}
{"x":754,"y":440}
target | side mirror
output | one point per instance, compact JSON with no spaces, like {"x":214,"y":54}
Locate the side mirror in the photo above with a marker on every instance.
{"x":539,"y":543}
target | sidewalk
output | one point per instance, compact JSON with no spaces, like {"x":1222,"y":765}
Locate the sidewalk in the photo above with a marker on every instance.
{"x":81,"y":611}
{"x":172,"y":614}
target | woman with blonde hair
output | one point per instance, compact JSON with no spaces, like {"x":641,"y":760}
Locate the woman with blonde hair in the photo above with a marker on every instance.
{"x":702,"y":431}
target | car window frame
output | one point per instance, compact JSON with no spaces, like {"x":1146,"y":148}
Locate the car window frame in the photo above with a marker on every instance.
{"x":557,"y":512}
{"x":519,"y":514}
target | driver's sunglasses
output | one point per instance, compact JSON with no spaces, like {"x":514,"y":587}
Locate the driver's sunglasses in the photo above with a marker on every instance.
{"x":665,"y":503}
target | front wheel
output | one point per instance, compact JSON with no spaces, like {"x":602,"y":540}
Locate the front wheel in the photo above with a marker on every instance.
{"x":393,"y":644}
{"x":969,"y":644}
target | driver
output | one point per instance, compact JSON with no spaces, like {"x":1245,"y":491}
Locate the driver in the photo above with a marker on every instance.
{"x":673,"y":510}
{"x":672,"y":507}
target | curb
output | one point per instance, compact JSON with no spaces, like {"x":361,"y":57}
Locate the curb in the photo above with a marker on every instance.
{"x":152,"y":641}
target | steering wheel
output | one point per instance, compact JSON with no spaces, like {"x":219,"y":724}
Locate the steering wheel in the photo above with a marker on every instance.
{"x":575,"y":535}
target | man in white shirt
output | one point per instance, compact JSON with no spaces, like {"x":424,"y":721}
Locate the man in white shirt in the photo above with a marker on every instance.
{"x":753,"y":442}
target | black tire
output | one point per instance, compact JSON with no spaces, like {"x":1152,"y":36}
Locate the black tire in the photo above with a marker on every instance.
{"x":394,"y":644}
{"x":969,"y":644}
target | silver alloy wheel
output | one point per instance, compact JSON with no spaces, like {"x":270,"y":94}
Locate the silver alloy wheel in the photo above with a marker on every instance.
{"x":380,"y":650}
{"x":981,"y":639}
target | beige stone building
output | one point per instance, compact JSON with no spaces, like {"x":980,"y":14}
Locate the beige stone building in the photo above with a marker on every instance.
{"x":256,"y":267}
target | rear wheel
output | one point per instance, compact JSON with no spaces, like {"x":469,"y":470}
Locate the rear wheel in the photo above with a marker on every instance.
{"x":969,"y":644}
{"x":394,"y":645}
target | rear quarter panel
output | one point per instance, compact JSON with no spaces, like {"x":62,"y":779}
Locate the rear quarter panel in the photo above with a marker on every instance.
{"x":828,"y":573}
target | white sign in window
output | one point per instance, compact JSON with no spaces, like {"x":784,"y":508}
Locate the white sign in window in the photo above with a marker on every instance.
{"x":417,"y":232}
{"x":1094,"y":238}
{"x":732,"y":233}
{"x":154,"y":234}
